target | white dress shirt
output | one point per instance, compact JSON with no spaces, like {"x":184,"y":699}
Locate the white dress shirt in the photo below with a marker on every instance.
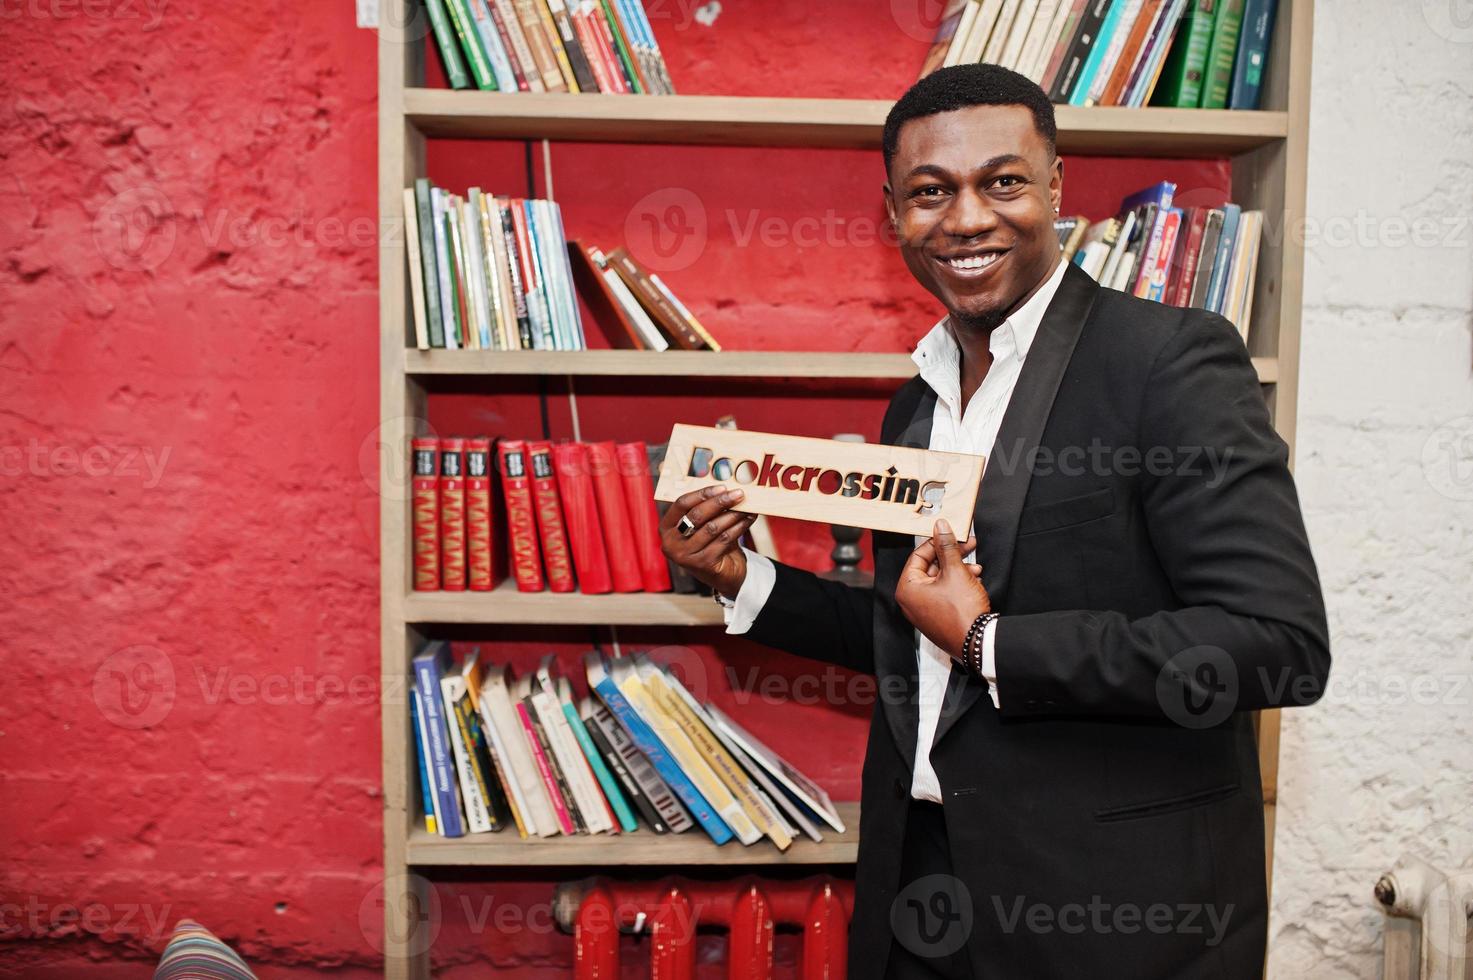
{"x":956,"y":428}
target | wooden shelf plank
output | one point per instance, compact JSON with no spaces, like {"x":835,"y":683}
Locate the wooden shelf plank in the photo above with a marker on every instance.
{"x":642,"y":363}
{"x":506,"y":605}
{"x":725,"y":120}
{"x":640,"y":849}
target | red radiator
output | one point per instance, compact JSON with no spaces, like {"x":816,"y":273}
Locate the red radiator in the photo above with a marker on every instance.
{"x":671,"y":910}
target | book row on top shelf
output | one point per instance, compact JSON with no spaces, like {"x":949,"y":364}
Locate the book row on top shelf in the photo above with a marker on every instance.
{"x":1206,"y":54}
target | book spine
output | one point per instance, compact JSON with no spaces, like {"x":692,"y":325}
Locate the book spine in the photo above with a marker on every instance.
{"x":478,"y":514}
{"x":537,"y":237}
{"x":556,"y":45}
{"x":496,"y":51}
{"x":1128,"y":60}
{"x":416,"y":270}
{"x":946,"y":29}
{"x":539,"y":42}
{"x":427,"y":682}
{"x":597,"y":816}
{"x":627,"y":784}
{"x":649,"y":743}
{"x":580,"y":514}
{"x":441,"y":253}
{"x":1231,"y":214}
{"x":544,"y":767}
{"x":493,"y":787}
{"x":537,"y":314}
{"x":494,"y":247}
{"x":489,"y":272}
{"x":657,"y":57}
{"x":506,"y":15}
{"x":624,"y":46}
{"x":444,"y":32}
{"x":1184,"y":275}
{"x":1170,"y":227}
{"x":452,"y":515}
{"x":644,"y":520}
{"x":613,"y":513}
{"x":557,"y":248}
{"x":1218,"y":75}
{"x":1086,"y":34}
{"x":1148,"y":71}
{"x":1252,"y":54}
{"x":549,"y":512}
{"x":470,"y":42}
{"x":425,"y":224}
{"x":1211,"y":235}
{"x":619,"y":807}
{"x":543,"y":735}
{"x":518,"y":80}
{"x":465,"y":333}
{"x":577,"y":57}
{"x":592,"y":50}
{"x":1061,"y":42}
{"x":474,"y":267}
{"x":421,"y":759}
{"x":1114,"y":45}
{"x":514,"y":273}
{"x":501,"y":764}
{"x":425,"y":488}
{"x":521,"y":528}
{"x":472,"y":780}
{"x":1181,"y":75}
{"x":671,"y":816}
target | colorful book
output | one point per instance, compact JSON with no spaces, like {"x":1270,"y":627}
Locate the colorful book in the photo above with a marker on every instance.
{"x":1226,"y":25}
{"x":480,"y":549}
{"x":1181,"y":75}
{"x":580,"y":513}
{"x":613,"y":514}
{"x":1252,"y":54}
{"x":628,"y":784}
{"x":653,"y":749}
{"x":547,"y":507}
{"x":446,"y":44}
{"x":452,"y":515}
{"x":422,"y":762}
{"x":521,"y":527}
{"x":613,"y":795}
{"x":429,"y":666}
{"x":425,"y":514}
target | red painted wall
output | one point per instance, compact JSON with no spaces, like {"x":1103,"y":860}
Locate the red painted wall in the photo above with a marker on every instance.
{"x":188,"y":403}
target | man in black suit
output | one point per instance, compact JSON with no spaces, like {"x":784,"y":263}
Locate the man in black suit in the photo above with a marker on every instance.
{"x":1061,"y":778}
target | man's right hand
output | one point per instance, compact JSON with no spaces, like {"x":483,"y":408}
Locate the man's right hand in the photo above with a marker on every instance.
{"x":712,"y":553}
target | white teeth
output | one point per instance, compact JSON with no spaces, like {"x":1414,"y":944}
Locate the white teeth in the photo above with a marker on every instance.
{"x":973,"y":262}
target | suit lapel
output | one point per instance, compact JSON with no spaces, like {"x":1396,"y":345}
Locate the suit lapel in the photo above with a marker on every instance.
{"x":1006,"y":478}
{"x":908,"y":423}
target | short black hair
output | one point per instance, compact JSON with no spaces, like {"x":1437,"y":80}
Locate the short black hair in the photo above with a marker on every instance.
{"x":961,"y":86}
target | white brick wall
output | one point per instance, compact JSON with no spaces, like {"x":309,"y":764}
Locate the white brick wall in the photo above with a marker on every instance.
{"x":1385,"y":469}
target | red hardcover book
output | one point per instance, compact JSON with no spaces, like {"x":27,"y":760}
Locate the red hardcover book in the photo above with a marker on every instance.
{"x":608,"y":490}
{"x":644,"y":518}
{"x":580,"y":513}
{"x":549,"y":518}
{"x":425,"y":487}
{"x":478,"y":514}
{"x":452,"y":515}
{"x":1184,"y":267}
{"x":521,"y":528}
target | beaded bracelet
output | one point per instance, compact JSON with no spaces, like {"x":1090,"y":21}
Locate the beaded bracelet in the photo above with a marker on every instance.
{"x":971,"y":657}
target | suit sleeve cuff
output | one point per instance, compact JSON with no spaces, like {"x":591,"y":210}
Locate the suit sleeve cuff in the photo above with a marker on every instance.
{"x":989,"y":658}
{"x":752,"y":596}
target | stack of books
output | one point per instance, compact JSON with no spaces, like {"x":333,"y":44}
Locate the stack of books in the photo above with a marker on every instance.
{"x":1196,"y":256}
{"x":494,"y":750}
{"x":549,"y":46}
{"x":578,"y":516}
{"x":1207,"y":54}
{"x":488,"y":273}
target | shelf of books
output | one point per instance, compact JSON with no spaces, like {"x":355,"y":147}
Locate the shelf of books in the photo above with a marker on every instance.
{"x":608,"y":761}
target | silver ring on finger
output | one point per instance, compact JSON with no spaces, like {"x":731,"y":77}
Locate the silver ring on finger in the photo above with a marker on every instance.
{"x":685,"y":526}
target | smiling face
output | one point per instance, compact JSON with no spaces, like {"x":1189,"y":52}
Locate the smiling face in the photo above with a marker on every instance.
{"x":972,"y":194}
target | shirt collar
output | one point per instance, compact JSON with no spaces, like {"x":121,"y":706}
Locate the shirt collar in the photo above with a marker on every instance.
{"x":939,"y":359}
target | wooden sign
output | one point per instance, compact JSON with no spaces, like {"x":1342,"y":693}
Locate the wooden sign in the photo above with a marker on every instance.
{"x":886,"y":488}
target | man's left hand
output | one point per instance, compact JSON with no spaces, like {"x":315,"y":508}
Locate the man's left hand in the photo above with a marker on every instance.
{"x":939,"y":593}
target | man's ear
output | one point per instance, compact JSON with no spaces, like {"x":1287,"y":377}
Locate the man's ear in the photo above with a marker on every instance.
{"x":1056,"y":184}
{"x":889,"y":203}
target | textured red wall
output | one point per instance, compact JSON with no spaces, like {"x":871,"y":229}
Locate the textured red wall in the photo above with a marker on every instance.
{"x":188,"y":511}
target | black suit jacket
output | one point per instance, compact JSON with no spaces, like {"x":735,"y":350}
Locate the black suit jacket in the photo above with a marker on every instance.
{"x":1141,"y":538}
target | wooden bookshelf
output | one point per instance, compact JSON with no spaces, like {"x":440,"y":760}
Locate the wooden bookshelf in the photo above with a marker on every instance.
{"x":675,"y":363}
{"x":639,"y":849}
{"x":1267,"y":151}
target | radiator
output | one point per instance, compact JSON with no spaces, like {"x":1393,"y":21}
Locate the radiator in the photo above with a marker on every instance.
{"x":1427,"y":914}
{"x":671,"y":910}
